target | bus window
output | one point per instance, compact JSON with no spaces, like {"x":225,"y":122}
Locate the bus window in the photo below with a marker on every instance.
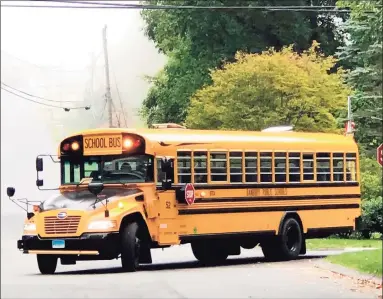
{"x":323,"y":167}
{"x":351,"y":167}
{"x":308,"y":167}
{"x":218,"y":167}
{"x":251,"y":167}
{"x":71,"y":173}
{"x":294,"y":167}
{"x":236,"y":167}
{"x":184,"y":167}
{"x":280,"y":167}
{"x":337,"y":164}
{"x":200,"y":167}
{"x":266,"y":167}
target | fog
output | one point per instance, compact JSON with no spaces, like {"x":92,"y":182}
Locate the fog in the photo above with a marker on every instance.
{"x":57,"y":54}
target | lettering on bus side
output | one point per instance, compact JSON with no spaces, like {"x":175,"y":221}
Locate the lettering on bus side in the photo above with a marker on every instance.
{"x":267,"y":192}
{"x":103,"y":142}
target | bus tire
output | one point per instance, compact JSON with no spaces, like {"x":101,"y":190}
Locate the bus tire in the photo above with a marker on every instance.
{"x":130,"y":247}
{"x":208,"y":253}
{"x":290,"y":240}
{"x":287,"y":245}
{"x":47,"y":263}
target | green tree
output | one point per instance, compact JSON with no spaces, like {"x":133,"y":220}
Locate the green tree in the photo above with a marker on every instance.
{"x":198,"y":40}
{"x":371,"y":188}
{"x":272,"y":88}
{"x":363,"y":51}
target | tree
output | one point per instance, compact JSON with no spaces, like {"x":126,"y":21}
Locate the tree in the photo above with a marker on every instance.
{"x":272,"y":88}
{"x":372,"y":190}
{"x":363,"y":52}
{"x":198,"y":40}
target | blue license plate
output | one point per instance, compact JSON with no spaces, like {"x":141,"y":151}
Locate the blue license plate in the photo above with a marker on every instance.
{"x":58,"y":243}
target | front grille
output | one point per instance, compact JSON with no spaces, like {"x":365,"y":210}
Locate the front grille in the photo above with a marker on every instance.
{"x":53,"y":225}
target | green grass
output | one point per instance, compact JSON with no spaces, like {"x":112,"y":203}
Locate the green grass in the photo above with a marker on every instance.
{"x":334,"y":243}
{"x":369,"y":261}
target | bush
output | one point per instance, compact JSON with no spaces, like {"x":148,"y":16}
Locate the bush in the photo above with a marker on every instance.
{"x":371,"y":188}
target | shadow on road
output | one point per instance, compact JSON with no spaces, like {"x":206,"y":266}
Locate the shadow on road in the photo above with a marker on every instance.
{"x":182,"y":265}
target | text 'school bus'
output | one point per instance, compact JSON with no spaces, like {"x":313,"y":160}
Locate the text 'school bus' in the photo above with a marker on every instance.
{"x":124,"y":192}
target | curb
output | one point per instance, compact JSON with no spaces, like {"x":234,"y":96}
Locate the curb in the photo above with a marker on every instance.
{"x":344,"y":271}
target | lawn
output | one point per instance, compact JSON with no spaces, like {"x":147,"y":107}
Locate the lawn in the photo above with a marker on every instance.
{"x":334,"y":243}
{"x":369,"y":261}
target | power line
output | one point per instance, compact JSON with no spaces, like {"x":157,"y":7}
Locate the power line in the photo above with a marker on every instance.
{"x":31,"y":95}
{"x":119,"y":97}
{"x":44,"y":104}
{"x":103,"y":5}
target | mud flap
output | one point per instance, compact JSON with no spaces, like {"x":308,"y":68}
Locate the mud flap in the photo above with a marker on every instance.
{"x":145,"y":255}
{"x":303,"y":249}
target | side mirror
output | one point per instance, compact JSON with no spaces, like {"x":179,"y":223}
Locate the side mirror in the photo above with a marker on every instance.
{"x":10,"y":191}
{"x":39,"y":183}
{"x":164,"y":164}
{"x":166,"y":185}
{"x":39,"y":164}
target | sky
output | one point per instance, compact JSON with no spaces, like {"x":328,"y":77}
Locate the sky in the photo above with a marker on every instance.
{"x":48,"y":53}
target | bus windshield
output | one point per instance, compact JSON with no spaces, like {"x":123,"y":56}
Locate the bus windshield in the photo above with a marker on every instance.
{"x":108,"y":169}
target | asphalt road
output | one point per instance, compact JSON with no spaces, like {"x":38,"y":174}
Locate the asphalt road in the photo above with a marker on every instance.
{"x":174,"y":274}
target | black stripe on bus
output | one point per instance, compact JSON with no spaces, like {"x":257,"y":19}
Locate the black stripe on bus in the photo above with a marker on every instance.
{"x":264,"y":185}
{"x":251,"y":234}
{"x":270,"y":198}
{"x":265,"y":209}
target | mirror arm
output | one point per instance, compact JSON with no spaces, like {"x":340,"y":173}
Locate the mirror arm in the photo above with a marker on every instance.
{"x":50,"y":156}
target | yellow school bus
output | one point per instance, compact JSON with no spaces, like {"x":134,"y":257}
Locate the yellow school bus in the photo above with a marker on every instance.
{"x":124,"y":192}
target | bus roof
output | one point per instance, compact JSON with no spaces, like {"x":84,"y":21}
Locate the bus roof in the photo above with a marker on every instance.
{"x":208,"y":139}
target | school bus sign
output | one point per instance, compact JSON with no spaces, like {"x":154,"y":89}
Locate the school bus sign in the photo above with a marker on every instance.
{"x":379,"y":154}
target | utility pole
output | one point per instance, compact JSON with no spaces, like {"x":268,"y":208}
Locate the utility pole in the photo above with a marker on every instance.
{"x":108,"y":94}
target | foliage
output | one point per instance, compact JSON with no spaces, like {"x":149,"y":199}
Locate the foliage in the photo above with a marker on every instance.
{"x":197,"y":40}
{"x":272,"y":88}
{"x":364,"y":53}
{"x":371,"y":188}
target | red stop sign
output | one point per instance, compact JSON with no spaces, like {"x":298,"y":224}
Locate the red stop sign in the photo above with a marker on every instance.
{"x":189,"y":194}
{"x":379,"y":154}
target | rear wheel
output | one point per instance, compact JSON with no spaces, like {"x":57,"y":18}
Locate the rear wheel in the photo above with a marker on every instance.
{"x":130,"y":247}
{"x":47,"y":263}
{"x":287,"y":245}
{"x":209,"y":253}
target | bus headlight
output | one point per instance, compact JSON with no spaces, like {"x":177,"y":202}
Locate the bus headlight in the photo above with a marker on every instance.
{"x":102,"y":224}
{"x":30,"y":227}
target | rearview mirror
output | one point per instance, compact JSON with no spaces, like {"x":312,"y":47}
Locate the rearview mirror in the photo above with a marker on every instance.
{"x":39,"y":164}
{"x":10,"y":191}
{"x":39,"y":183}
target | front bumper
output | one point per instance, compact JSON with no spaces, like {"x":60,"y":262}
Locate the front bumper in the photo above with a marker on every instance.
{"x":102,"y":244}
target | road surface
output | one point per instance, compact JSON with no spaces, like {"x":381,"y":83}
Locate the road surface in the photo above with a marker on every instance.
{"x":174,"y":274}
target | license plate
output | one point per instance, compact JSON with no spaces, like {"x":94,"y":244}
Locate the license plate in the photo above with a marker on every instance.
{"x":102,"y":143}
{"x":58,"y":243}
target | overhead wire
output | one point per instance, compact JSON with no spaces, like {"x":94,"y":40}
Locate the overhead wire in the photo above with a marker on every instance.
{"x":44,"y":104}
{"x":119,"y":97}
{"x":34,"y":96}
{"x":105,"y":5}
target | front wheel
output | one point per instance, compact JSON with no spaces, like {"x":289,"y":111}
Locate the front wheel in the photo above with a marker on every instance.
{"x":130,"y":247}
{"x":47,"y":263}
